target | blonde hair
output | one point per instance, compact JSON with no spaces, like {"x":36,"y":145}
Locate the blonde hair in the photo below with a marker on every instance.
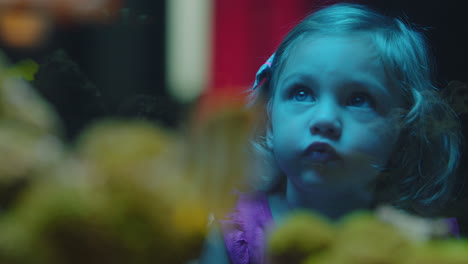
{"x":420,"y":175}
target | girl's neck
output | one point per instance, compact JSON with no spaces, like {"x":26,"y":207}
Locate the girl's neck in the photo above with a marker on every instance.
{"x":330,"y":201}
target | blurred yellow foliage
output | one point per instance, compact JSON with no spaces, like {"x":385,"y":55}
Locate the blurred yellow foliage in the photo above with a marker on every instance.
{"x":117,"y":148}
{"x":440,"y":252}
{"x":360,"y":237}
{"x":304,"y":234}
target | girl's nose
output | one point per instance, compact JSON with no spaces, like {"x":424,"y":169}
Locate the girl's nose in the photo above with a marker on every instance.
{"x":325,"y":122}
{"x":326,"y":129}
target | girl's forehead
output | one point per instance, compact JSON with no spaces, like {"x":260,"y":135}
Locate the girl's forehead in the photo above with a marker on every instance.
{"x":322,"y":46}
{"x":347,"y":55}
{"x":330,"y":42}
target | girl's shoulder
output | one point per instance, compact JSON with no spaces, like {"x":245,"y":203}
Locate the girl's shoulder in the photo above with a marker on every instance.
{"x":245,"y":227}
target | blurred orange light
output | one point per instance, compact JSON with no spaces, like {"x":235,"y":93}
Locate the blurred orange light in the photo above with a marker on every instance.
{"x":67,"y":11}
{"x":84,"y":10}
{"x":23,"y":28}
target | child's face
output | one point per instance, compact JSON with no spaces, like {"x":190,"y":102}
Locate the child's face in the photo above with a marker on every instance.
{"x":333,"y":90}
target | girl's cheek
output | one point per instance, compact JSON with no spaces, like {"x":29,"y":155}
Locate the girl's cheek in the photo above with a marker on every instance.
{"x":386,"y":137}
{"x":373,"y":138}
{"x":366,"y":116}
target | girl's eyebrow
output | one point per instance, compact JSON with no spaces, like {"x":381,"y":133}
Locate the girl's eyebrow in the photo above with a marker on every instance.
{"x":298,"y":77}
{"x":373,"y":85}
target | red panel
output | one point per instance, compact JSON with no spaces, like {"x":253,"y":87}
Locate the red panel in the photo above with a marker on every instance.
{"x":245,"y":33}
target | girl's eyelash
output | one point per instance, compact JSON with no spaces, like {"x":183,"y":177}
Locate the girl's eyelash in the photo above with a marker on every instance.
{"x":369,"y":98}
{"x":295,"y":89}
{"x":302,"y":92}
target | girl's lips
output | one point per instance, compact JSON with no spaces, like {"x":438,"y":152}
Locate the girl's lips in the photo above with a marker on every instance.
{"x":321,"y":152}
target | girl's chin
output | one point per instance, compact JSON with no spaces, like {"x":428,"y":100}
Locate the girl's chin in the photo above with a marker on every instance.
{"x":308,"y":182}
{"x":321,"y":176}
{"x":312,"y":180}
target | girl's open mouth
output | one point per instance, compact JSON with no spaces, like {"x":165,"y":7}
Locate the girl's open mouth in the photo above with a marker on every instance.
{"x":320,"y":152}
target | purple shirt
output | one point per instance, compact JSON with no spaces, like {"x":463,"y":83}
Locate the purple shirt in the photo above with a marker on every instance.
{"x":245,"y":228}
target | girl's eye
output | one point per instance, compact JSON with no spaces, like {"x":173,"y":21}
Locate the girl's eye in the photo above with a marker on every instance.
{"x":302,"y":94}
{"x":361,"y":100}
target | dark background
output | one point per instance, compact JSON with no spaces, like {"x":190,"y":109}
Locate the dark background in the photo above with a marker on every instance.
{"x":91,"y":71}
{"x":446,"y":27}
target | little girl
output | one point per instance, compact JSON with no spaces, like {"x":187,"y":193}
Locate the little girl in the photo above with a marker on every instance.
{"x":352,"y":120}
